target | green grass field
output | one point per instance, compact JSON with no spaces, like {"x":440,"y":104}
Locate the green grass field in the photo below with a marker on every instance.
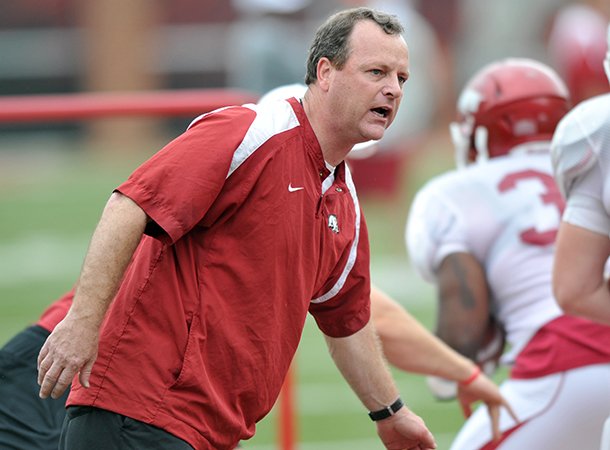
{"x":50,"y":201}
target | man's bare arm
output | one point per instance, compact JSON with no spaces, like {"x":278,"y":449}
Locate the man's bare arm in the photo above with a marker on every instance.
{"x":360,"y":360}
{"x":579,"y":285}
{"x":72,"y":347}
{"x":409,"y":346}
{"x":412,"y":348}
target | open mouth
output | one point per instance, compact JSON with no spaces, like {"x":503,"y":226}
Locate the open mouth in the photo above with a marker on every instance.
{"x":381,"y":111}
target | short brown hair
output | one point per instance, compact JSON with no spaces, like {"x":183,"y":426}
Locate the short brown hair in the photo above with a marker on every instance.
{"x":331,"y":39}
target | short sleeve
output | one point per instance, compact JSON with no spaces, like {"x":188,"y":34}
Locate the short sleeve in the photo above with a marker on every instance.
{"x":584,"y":207}
{"x":578,"y":141}
{"x":177,"y":186}
{"x":435,"y":229}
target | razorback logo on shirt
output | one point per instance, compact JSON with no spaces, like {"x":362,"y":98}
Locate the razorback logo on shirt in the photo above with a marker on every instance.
{"x":333,"y":224}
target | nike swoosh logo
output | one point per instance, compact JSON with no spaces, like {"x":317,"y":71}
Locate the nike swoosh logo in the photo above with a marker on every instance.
{"x":294,"y":189}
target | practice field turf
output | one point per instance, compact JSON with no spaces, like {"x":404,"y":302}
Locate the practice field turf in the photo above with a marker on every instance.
{"x":50,"y":202}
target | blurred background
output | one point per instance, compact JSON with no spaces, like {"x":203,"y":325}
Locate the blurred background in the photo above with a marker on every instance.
{"x":55,"y":176}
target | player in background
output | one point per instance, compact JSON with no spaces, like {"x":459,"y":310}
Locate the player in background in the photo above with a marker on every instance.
{"x":28,"y":422}
{"x":581,"y":163}
{"x":577,"y":44}
{"x":484,"y":236}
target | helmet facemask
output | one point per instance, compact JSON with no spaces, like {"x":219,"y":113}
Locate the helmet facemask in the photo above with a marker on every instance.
{"x":470,"y":145}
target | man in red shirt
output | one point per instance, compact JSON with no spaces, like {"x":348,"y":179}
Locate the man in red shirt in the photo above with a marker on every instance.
{"x":235,"y":231}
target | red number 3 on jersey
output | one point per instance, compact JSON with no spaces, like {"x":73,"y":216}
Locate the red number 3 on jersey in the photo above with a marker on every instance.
{"x":551,"y":195}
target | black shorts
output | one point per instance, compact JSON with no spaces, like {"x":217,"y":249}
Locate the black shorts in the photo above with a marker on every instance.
{"x":26,"y":421}
{"x":88,"y":428}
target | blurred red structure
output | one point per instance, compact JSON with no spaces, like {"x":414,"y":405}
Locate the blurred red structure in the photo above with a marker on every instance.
{"x":66,"y":107}
{"x":287,"y":424}
{"x":65,"y":13}
{"x":577,"y":47}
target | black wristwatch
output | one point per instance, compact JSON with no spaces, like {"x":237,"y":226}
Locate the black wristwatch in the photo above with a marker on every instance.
{"x":388,"y":411}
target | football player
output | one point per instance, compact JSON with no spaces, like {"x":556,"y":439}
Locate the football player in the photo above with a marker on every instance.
{"x":484,"y":235}
{"x":581,"y":162}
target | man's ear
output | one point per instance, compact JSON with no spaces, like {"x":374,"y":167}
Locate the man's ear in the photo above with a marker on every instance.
{"x":325,"y":72}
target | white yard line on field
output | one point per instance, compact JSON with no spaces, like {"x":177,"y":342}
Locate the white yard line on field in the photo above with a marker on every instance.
{"x":41,"y":257}
{"x":396,"y":276}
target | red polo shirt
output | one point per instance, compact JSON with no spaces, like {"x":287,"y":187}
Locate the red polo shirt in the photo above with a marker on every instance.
{"x":249,"y":234}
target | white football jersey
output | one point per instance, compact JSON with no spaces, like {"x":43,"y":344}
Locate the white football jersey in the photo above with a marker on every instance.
{"x":581,"y":162}
{"x":505,"y":212}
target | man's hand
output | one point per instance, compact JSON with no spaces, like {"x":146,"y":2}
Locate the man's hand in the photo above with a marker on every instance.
{"x":405,"y":431}
{"x":485,"y":390}
{"x":70,"y":349}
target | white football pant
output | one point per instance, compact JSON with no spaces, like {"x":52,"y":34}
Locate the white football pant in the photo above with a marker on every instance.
{"x":564,"y":411}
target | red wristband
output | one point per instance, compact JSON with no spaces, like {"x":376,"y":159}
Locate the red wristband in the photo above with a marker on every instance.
{"x":473,"y":376}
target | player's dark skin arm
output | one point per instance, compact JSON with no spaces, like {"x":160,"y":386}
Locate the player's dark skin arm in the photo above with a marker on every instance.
{"x":463,"y":303}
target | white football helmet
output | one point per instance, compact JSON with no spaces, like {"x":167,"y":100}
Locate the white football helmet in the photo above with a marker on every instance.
{"x":282,"y":92}
{"x":359,"y":151}
{"x":507,"y":104}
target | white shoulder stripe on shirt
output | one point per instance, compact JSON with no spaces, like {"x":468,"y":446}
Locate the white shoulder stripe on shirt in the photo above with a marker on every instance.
{"x":271,"y":119}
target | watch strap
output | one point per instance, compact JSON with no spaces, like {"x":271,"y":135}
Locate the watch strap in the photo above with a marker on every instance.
{"x":388,"y":411}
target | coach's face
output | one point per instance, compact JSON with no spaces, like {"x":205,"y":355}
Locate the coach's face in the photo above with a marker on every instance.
{"x":366,"y":92}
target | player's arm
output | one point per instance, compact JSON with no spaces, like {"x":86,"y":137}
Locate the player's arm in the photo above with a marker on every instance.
{"x":579,"y":285}
{"x":409,"y":346}
{"x":360,"y":360}
{"x":72,"y":347}
{"x":463,"y":303}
